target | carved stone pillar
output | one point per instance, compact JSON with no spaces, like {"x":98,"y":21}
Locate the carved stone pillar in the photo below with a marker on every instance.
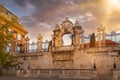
{"x":39,"y":43}
{"x":99,"y":39}
{"x":57,"y":36}
{"x":13,"y":47}
{"x":103,"y":35}
{"x":82,"y":40}
{"x":77,"y":31}
{"x":53,"y":40}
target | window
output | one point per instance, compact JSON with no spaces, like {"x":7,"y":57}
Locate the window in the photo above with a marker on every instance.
{"x":18,"y":49}
{"x":19,"y":37}
{"x":8,"y":48}
{"x":9,"y":31}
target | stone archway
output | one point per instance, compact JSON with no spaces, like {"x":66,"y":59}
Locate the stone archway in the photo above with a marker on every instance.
{"x":65,"y":28}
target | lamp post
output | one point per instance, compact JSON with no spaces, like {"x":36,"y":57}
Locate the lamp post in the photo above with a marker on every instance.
{"x":114,"y":65}
{"x":28,"y":62}
{"x":94,"y":64}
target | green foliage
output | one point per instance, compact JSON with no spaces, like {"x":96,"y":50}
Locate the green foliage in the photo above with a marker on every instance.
{"x":6,"y":60}
{"x":92,"y":40}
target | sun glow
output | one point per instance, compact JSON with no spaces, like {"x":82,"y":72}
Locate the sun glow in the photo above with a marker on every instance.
{"x":114,"y":3}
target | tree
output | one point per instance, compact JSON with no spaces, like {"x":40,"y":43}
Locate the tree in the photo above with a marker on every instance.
{"x":92,"y":40}
{"x":6,"y":36}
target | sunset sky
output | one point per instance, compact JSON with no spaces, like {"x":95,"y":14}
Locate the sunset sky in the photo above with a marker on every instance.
{"x":41,"y":16}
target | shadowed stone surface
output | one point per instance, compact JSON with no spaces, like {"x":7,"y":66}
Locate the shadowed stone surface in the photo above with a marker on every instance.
{"x":36,"y":78}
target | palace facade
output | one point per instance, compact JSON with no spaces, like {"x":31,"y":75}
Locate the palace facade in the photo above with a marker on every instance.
{"x":18,"y":31}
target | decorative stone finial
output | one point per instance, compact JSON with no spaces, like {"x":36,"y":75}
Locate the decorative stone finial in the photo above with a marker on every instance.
{"x":57,"y":26}
{"x":66,"y":20}
{"x":101,"y":28}
{"x":77,"y":23}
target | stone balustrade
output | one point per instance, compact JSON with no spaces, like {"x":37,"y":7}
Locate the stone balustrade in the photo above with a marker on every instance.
{"x":63,"y":48}
{"x":63,"y":73}
{"x":116,"y":74}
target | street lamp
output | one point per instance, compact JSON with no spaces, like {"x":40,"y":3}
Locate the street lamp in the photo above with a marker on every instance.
{"x":29,"y":63}
{"x":114,"y":65}
{"x":94,"y":65}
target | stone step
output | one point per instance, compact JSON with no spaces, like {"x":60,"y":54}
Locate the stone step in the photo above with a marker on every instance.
{"x":36,"y":78}
{"x":106,"y":77}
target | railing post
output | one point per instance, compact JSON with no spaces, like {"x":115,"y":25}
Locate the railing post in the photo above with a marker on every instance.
{"x":28,"y":72}
{"x":63,"y":73}
{"x":115,"y":74}
{"x":78,"y":73}
{"x":50,"y":72}
{"x":95,"y":74}
{"x":38,"y":72}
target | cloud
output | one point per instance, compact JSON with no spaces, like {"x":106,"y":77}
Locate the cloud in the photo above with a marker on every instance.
{"x":45,"y":14}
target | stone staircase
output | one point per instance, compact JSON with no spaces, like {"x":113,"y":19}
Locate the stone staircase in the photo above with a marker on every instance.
{"x":36,"y":78}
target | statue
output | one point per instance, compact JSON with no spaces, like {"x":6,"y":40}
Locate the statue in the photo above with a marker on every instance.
{"x":26,"y":44}
{"x":39,"y":37}
{"x":101,"y":36}
{"x":39,"y":44}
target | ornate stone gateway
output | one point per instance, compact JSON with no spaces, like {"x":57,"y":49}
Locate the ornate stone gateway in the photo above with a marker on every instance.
{"x":67,"y":27}
{"x":63,"y":55}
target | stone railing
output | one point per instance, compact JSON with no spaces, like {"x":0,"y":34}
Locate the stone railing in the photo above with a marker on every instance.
{"x":104,"y":50}
{"x":116,"y":74}
{"x":63,"y":48}
{"x":64,"y":73}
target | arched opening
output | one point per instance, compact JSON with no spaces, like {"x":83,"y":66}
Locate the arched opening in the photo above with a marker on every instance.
{"x":67,"y":40}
